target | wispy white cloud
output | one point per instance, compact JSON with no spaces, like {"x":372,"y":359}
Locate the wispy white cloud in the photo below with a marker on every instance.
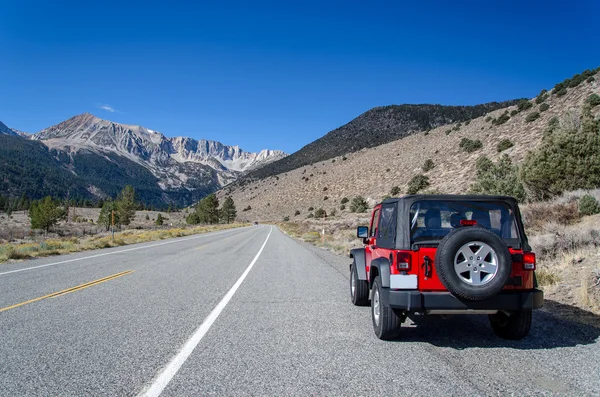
{"x":108,"y":108}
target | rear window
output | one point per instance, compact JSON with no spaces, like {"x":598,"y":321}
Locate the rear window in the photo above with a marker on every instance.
{"x":433,"y":220}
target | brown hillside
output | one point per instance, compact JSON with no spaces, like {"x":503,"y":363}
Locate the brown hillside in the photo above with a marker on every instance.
{"x":373,"y":172}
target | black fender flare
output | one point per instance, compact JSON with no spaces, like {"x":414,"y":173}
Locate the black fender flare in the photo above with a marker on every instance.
{"x":383,"y":267}
{"x":358,"y":254}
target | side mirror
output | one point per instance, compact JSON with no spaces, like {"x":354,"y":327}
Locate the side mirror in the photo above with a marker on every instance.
{"x":362,"y":232}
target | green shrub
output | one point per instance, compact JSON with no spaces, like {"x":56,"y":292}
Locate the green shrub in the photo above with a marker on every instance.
{"x":562,"y":85}
{"x":358,"y":204}
{"x":591,"y":79}
{"x":565,"y":159}
{"x":286,"y":218}
{"x":344,"y":158}
{"x":514,"y":112}
{"x":504,"y":117}
{"x":524,"y":104}
{"x":501,"y":178}
{"x":325,"y":188}
{"x":488,"y":119}
{"x":504,"y":144}
{"x":310,"y":209}
{"x":467,"y":122}
{"x":576,"y":80}
{"x":417,"y":183}
{"x":593,"y":100}
{"x":541,"y":98}
{"x":394,"y":191}
{"x":428,"y":165}
{"x":470,"y":145}
{"x":342,"y":207}
{"x":561,"y":92}
{"x":544,"y":107}
{"x":344,"y":200}
{"x":320,"y":213}
{"x":588,"y":205}
{"x":325,"y":198}
{"x":311,"y":215}
{"x":296,"y":213}
{"x":448,"y":132}
{"x":333,"y":212}
{"x":532,"y":117}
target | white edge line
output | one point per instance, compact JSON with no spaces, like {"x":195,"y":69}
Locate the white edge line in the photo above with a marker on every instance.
{"x":118,"y":252}
{"x":163,"y":379}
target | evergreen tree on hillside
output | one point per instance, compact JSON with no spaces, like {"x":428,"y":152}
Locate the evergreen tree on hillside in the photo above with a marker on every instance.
{"x":567,"y":159}
{"x":207,"y":211}
{"x":228,"y":211}
{"x":126,"y":205}
{"x":45,"y":213}
{"x":159,"y":220}
{"x":498,"y":179}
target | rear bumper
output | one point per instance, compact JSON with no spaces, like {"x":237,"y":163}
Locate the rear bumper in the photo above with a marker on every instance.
{"x":416,"y":301}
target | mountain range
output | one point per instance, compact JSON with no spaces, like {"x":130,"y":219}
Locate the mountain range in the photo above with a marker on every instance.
{"x":94,"y":158}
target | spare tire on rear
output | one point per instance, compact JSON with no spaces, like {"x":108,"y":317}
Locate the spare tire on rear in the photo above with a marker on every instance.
{"x":473,"y":263}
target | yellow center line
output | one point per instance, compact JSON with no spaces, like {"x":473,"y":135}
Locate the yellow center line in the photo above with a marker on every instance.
{"x":201,"y":247}
{"x":69,"y":290}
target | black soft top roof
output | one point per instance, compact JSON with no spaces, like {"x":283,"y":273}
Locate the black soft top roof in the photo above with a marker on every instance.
{"x":411,"y":198}
{"x":402,"y":207}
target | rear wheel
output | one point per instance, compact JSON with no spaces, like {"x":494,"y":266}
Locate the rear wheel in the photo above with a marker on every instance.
{"x":359,"y":289}
{"x":386,"y":323}
{"x":513,"y":326}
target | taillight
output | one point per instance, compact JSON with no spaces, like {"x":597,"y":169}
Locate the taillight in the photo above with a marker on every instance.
{"x":466,"y":222}
{"x":529,"y":261}
{"x":403,"y":261}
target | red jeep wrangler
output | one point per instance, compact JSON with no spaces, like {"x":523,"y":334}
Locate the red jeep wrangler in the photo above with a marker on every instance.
{"x":446,"y":254}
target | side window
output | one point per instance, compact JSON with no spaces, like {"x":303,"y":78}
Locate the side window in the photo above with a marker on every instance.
{"x":387,"y":226}
{"x":374,"y":223}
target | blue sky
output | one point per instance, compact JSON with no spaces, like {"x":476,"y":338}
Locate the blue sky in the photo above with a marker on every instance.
{"x":278,"y":74}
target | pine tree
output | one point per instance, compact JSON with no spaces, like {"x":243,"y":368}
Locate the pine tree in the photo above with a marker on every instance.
{"x":207,"y":209}
{"x":45,"y":213}
{"x":228,"y":211}
{"x":126,"y":205}
{"x":159,"y":220}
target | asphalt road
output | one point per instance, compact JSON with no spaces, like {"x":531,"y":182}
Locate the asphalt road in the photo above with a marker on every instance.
{"x":253,"y":312}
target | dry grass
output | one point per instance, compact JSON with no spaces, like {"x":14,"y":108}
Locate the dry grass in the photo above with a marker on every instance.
{"x":340,"y":233}
{"x":62,"y":246}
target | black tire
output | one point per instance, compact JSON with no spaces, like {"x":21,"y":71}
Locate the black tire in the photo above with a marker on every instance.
{"x":389,"y":324}
{"x":360,"y":296}
{"x":449,"y":248}
{"x":514,"y":326}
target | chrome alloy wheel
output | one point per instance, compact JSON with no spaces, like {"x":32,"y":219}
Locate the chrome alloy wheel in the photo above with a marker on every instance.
{"x":476,"y":263}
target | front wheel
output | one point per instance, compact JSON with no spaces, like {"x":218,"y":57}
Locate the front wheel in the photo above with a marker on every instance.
{"x":359,"y":289}
{"x":513,"y":326}
{"x":386,"y":323}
